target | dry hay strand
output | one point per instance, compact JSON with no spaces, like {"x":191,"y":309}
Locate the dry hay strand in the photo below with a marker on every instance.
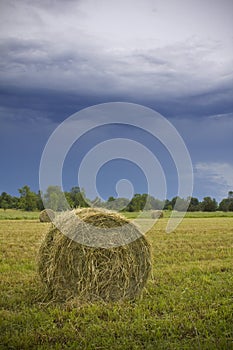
{"x":157,"y":214}
{"x":70,"y":270}
{"x":47,"y":215}
{"x":83,"y":212}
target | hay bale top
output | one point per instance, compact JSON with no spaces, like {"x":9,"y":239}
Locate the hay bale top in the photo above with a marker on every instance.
{"x":47,"y":215}
{"x":81,"y":212}
{"x":97,"y":228}
{"x":101,"y":218}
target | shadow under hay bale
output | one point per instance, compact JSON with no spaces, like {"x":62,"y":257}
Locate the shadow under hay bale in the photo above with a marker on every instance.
{"x":69,"y":269}
{"x":157,"y":214}
{"x":46,"y":215}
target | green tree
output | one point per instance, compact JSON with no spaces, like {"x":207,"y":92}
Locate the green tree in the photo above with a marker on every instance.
{"x":230,"y":208}
{"x":6,"y":201}
{"x":156,"y":204}
{"x":119,"y":204}
{"x":167,"y":205}
{"x":209,"y":204}
{"x":226,"y":204}
{"x":230,"y":195}
{"x":179,"y":204}
{"x":4,"y":205}
{"x":194,"y":204}
{"x":39,"y":202}
{"x":15,"y":202}
{"x":137,"y":203}
{"x":144,"y":202}
{"x":77,"y":197}
{"x":55,"y":199}
{"x":28,"y":199}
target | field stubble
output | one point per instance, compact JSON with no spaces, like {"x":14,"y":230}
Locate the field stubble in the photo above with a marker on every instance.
{"x":187,"y":303}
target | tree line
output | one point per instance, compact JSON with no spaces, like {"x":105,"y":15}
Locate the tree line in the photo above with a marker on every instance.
{"x":57,"y":200}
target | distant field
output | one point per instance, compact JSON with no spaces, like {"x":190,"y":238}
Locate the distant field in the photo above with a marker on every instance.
{"x":14,"y":214}
{"x":187,"y":303}
{"x":196,"y":214}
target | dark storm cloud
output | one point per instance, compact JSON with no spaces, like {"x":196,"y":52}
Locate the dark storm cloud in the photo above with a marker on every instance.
{"x":58,"y":57}
{"x":62,"y":50}
{"x":62,"y":82}
{"x":58,"y":105}
{"x":55,"y":105}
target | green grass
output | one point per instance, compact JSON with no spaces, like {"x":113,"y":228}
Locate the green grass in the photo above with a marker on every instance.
{"x":196,"y":214}
{"x":187,"y":303}
{"x":17,"y":214}
{"x":213,"y":214}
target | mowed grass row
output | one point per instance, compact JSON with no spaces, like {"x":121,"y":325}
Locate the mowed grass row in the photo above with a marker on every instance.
{"x":187,"y":303}
{"x":17,"y":214}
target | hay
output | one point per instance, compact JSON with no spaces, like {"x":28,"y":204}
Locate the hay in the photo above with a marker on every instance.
{"x":157,"y":214}
{"x":69,"y":269}
{"x":46,"y":215}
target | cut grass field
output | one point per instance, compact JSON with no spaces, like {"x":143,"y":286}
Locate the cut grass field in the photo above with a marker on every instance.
{"x":187,"y":303}
{"x":16,"y":214}
{"x":196,"y":214}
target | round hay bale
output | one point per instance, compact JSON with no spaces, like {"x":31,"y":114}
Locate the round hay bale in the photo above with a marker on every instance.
{"x":157,"y":214}
{"x":69,"y":269}
{"x":46,"y":215}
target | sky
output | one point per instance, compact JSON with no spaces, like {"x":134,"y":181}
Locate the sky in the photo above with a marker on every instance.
{"x":175,"y":57}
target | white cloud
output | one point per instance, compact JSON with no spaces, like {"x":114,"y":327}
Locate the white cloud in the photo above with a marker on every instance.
{"x":132,"y":47}
{"x":217,"y":177}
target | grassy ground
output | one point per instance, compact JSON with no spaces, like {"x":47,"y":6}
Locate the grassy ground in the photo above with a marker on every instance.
{"x":16,"y":214}
{"x":196,"y":214}
{"x":187,"y":303}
